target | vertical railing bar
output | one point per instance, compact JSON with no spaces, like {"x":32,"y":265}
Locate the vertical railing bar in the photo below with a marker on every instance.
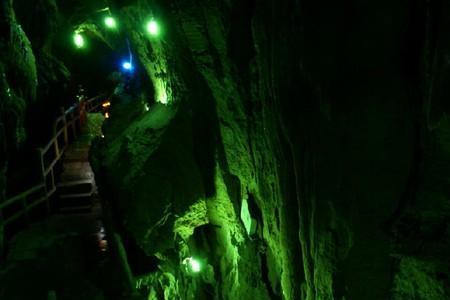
{"x":44,"y":179}
{"x":42,"y":162}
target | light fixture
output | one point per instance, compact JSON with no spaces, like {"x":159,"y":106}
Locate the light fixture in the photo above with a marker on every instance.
{"x":127,"y":66}
{"x":78,"y":40}
{"x":192,"y":265}
{"x":110,"y":22}
{"x":106,"y":115}
{"x":106,"y":104}
{"x":153,"y":27}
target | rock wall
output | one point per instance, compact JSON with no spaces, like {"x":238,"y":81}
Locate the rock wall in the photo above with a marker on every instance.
{"x":327,"y":121}
{"x":44,"y":27}
{"x":19,"y":77}
{"x":34,"y":86}
{"x":18,"y":84}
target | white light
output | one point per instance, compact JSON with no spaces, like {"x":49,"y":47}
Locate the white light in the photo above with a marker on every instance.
{"x":110,"y":22}
{"x":163,"y":99}
{"x":195,"y":265}
{"x":192,"y":265}
{"x":127,"y":66}
{"x":78,"y":40}
{"x":153,"y":28}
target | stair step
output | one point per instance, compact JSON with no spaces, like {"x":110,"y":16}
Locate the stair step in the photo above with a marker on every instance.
{"x":75,"y":202}
{"x":76,"y":196}
{"x":76,"y":187}
{"x":76,"y":209}
{"x":75,"y":182}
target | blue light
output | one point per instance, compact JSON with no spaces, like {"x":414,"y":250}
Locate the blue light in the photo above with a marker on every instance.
{"x":127,"y":66}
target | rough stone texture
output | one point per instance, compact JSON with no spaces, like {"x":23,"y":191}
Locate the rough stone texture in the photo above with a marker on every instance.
{"x":33,"y":86}
{"x":330,"y":120}
{"x":42,"y":27}
{"x":317,"y":115}
{"x":18,"y":76}
{"x":18,"y":81}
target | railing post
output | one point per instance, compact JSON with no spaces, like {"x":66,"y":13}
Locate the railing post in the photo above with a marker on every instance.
{"x":42,"y":165}
{"x":55,"y":138}
{"x":44,"y":178}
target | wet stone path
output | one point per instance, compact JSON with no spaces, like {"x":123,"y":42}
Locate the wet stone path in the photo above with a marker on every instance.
{"x":66,"y":256}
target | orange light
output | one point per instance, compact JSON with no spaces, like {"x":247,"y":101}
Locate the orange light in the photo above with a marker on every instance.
{"x":106,"y":115}
{"x":106,"y":104}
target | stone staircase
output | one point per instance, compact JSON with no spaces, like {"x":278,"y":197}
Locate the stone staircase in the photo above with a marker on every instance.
{"x":76,"y":187}
{"x":76,"y":196}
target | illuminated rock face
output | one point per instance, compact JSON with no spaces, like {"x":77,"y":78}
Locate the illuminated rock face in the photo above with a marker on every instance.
{"x":18,"y":81}
{"x":19,"y":76}
{"x":294,"y":149}
{"x":310,"y":114}
{"x":33,"y":87}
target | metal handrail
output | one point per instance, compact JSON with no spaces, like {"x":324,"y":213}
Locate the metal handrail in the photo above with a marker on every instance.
{"x":71,"y":118}
{"x":21,"y":195}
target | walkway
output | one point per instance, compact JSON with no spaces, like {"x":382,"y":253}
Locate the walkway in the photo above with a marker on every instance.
{"x":77,"y":184}
{"x":66,"y":256}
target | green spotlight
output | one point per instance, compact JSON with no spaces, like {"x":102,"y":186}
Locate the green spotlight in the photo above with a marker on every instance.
{"x":195,"y":266}
{"x":110,"y":22}
{"x":78,"y":40}
{"x":192,"y":265}
{"x":153,"y":27}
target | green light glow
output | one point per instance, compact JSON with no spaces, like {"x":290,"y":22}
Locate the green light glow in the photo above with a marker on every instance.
{"x":192,"y":265}
{"x":195,"y":266}
{"x":163,"y":97}
{"x":249,"y":222}
{"x":78,"y":40}
{"x":153,"y":28}
{"x":110,"y":22}
{"x":161,"y":94}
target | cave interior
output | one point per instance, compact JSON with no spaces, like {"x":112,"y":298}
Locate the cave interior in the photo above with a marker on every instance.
{"x":224,"y":150}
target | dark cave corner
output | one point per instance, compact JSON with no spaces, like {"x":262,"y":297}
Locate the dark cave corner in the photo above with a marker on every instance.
{"x":229,"y":150}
